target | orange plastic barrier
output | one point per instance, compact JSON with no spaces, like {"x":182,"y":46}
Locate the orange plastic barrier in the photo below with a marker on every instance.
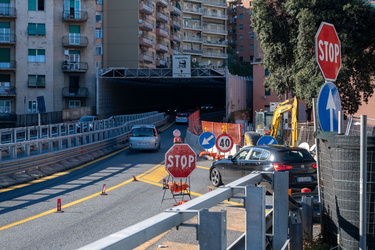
{"x":217,"y":128}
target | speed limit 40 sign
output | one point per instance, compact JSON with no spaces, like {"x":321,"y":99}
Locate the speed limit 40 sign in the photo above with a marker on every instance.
{"x":224,"y":143}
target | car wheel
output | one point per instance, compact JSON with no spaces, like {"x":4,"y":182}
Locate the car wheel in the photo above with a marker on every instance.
{"x":216,"y":177}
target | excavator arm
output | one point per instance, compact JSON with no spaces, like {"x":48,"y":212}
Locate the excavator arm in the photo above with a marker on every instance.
{"x":288,"y":105}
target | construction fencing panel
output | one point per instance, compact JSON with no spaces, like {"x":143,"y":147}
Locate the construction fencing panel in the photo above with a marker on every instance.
{"x":339,"y":164}
{"x":218,"y":128}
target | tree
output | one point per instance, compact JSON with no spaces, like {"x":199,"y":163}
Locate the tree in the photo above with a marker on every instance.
{"x":286,"y":31}
{"x":236,"y":67}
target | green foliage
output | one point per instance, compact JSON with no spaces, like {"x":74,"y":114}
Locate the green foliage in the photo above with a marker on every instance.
{"x":286,"y":31}
{"x":236,"y":67}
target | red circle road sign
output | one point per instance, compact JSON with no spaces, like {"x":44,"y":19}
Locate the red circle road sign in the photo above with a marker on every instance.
{"x":328,"y":51}
{"x":224,"y":143}
{"x":180,"y":160}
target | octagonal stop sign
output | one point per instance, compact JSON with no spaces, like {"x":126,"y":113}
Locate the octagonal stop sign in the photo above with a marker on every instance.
{"x":328,"y":51}
{"x":180,"y":160}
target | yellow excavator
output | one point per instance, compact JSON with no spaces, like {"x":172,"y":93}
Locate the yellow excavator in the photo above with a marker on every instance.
{"x":264,"y":118}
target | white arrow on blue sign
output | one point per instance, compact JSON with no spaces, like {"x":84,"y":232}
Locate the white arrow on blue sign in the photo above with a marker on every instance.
{"x":328,"y":105}
{"x":266,"y":140}
{"x":207,"y":140}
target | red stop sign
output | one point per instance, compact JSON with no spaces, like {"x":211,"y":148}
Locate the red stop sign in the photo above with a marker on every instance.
{"x":328,"y":51}
{"x":180,"y":160}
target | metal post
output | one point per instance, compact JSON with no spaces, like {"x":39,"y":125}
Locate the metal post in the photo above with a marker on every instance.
{"x":340,"y":122}
{"x":307,"y":217}
{"x":363,"y":183}
{"x":317,"y":146}
{"x":212,"y":233}
{"x":255,"y":217}
{"x":280,"y":209}
{"x":295,"y":230}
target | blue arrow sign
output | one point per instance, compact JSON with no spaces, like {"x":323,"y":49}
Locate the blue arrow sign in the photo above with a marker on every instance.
{"x":328,"y":105}
{"x":207,"y":140}
{"x":266,"y":140}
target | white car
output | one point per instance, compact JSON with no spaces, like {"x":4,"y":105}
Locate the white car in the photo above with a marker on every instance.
{"x":182,"y":118}
{"x":144,"y":137}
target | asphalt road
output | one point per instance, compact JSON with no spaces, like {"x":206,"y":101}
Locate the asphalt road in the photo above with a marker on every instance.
{"x":132,"y":187}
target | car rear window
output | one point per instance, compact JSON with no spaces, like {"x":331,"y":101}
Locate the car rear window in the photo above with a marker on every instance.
{"x":182,"y":115}
{"x":137,"y":132}
{"x":295,"y":156}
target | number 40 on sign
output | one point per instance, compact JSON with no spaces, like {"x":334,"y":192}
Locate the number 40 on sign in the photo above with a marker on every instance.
{"x":224,"y":143}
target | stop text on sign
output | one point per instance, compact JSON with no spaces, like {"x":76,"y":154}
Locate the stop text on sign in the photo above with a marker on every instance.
{"x":180,"y":161}
{"x":329,"y":52}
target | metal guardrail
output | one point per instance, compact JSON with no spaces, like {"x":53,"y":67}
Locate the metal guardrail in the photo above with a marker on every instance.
{"x":261,"y":227}
{"x":27,"y":155}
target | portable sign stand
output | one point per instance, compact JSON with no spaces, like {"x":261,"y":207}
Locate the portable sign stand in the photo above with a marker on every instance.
{"x":177,"y":189}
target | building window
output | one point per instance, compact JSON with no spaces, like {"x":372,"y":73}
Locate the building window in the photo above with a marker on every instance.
{"x":4,"y":31}
{"x":36,"y":4}
{"x":251,"y":35}
{"x":99,"y":17}
{"x":4,"y":106}
{"x":36,"y":81}
{"x":241,"y":58}
{"x":99,"y":33}
{"x":5,"y":58}
{"x":267,"y":92}
{"x":74,"y":103}
{"x":36,"y":29}
{"x":251,"y":46}
{"x":32,"y":107}
{"x":37,"y":55}
{"x":241,"y":48}
{"x":99,"y":50}
{"x":241,"y":37}
{"x":99,"y":1}
{"x":99,"y":64}
{"x":266,"y":72}
{"x":241,"y":16}
{"x":241,"y":26}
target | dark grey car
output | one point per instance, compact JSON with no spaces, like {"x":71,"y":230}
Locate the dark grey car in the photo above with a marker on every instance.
{"x":297,"y":161}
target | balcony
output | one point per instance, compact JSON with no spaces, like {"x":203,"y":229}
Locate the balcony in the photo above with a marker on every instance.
{"x":75,"y":41}
{"x":193,"y":51}
{"x":232,"y":10}
{"x":160,"y":63}
{"x":214,"y":15}
{"x":176,"y":24}
{"x":7,"y":39}
{"x":174,"y":52}
{"x":145,"y":58}
{"x":193,"y":39}
{"x":8,"y":12}
{"x":162,"y":3}
{"x":81,"y":92}
{"x":8,"y":66}
{"x":174,"y":10}
{"x":74,"y":67}
{"x":216,"y":55}
{"x":143,"y":8}
{"x":175,"y":38}
{"x":7,"y":91}
{"x":195,"y":25}
{"x":215,"y":3}
{"x":193,"y":10}
{"x":145,"y":42}
{"x":232,"y":42}
{"x":215,"y":43}
{"x":161,"y":48}
{"x":145,"y":26}
{"x":215,"y":30}
{"x":162,"y":33}
{"x":161,"y":17}
{"x":75,"y":16}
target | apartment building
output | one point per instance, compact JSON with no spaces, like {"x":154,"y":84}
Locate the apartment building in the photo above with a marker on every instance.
{"x":205,"y":31}
{"x":240,"y":32}
{"x":46,"y":52}
{"x":141,"y":33}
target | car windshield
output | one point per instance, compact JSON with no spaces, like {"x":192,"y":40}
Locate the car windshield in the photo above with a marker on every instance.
{"x":137,"y":132}
{"x":295,"y":156}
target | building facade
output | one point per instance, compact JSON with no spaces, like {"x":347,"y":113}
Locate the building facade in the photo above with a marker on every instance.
{"x":46,"y":52}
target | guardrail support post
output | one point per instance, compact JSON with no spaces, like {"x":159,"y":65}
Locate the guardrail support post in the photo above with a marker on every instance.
{"x":295,"y":230}
{"x":280,"y":209}
{"x":255,"y":217}
{"x":212,"y":233}
{"x":307,"y":217}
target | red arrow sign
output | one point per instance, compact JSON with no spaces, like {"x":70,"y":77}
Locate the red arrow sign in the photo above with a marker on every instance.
{"x":328,"y":51}
{"x":180,"y":160}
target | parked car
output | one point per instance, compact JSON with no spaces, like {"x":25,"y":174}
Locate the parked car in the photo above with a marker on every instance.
{"x":144,"y":137}
{"x":87,"y":123}
{"x":182,"y":118}
{"x":297,"y":161}
{"x":207,"y":106}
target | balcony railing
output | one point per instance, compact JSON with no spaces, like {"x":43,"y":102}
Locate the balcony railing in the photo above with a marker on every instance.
{"x":76,"y":16}
{"x":232,"y":10}
{"x":160,"y":63}
{"x":161,"y":48}
{"x":162,"y":33}
{"x":192,"y":25}
{"x":214,"y":15}
{"x":215,"y":43}
{"x":162,"y":3}
{"x":6,"y":38}
{"x":212,"y":54}
{"x":81,"y":92}
{"x":75,"y":41}
{"x":193,"y":10}
{"x":11,"y":65}
{"x":145,"y":42}
{"x":214,"y":30}
{"x":193,"y":39}
{"x":75,"y":66}
{"x":174,"y":10}
{"x":145,"y":26}
{"x":215,"y":3}
{"x":7,"y":91}
{"x":144,"y":8}
{"x":8,"y":12}
{"x":175,"y":38}
{"x":193,"y":51}
{"x":176,"y":24}
{"x":146,"y":58}
{"x":174,"y":52}
{"x":161,"y":17}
